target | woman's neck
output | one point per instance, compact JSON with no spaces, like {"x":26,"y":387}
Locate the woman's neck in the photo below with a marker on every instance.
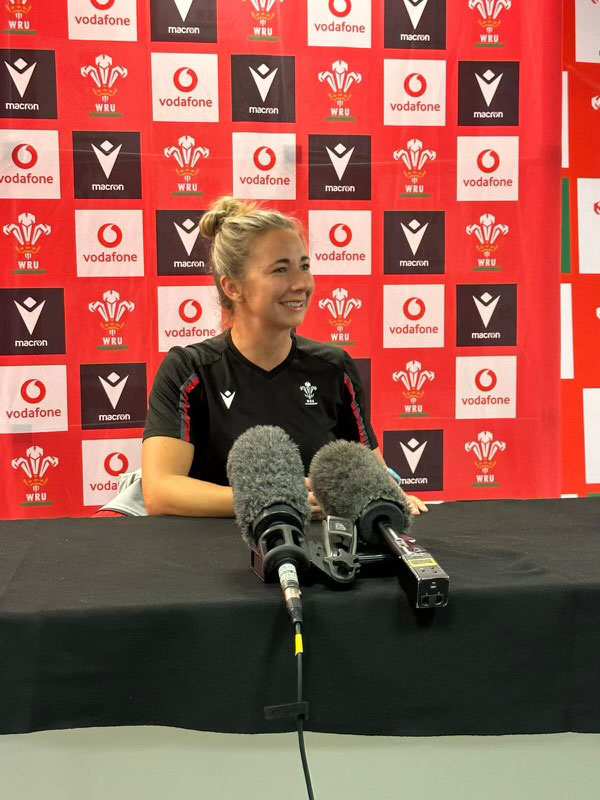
{"x":267,"y":352}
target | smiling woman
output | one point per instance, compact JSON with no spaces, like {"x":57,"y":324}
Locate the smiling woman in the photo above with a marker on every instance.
{"x":257,"y":372}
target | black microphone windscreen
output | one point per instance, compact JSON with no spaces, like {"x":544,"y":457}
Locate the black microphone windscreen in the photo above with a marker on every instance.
{"x":264,"y":467}
{"x":346,"y":477}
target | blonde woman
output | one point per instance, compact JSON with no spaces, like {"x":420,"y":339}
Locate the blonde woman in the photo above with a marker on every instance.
{"x":257,"y":372}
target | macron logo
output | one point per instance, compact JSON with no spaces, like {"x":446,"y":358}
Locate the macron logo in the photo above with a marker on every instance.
{"x":21,"y":73}
{"x":339,"y":158}
{"x":107,"y":154}
{"x":188,"y":233}
{"x":415,"y":9}
{"x":113,"y":385}
{"x":30,"y":312}
{"x":486,"y":305}
{"x":488,"y":83}
{"x":263,"y":79}
{"x":227,"y":396}
{"x":414,"y":233}
{"x":183,"y":6}
{"x":413,"y":450}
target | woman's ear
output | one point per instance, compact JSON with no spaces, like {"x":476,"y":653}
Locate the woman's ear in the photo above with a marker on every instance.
{"x":232,"y":289}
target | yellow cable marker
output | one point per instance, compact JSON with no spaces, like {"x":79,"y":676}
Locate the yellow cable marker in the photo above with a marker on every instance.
{"x":299,"y":648}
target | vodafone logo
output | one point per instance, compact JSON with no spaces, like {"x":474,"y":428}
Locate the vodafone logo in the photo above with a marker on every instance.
{"x":340,"y":235}
{"x":116,"y":464}
{"x":103,"y":19}
{"x":340,"y":8}
{"x":264,"y":165}
{"x":597,"y":208}
{"x":414,"y":308}
{"x":185,"y":79}
{"x":488,"y":161}
{"x":264,"y":158}
{"x":348,"y":24}
{"x":33,"y":391}
{"x":190,"y":311}
{"x":24,"y":156}
{"x":486,"y":380}
{"x":110,"y":235}
{"x":415,"y":85}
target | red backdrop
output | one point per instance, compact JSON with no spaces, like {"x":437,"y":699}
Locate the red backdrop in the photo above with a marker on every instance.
{"x":419,"y":143}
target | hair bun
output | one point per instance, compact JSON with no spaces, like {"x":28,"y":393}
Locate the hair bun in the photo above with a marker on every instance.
{"x":222,"y":209}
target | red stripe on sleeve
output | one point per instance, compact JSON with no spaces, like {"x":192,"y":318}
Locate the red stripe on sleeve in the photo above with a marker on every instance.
{"x":360,"y":424}
{"x":184,"y":405}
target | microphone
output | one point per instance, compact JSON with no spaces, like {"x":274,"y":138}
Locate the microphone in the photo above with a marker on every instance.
{"x":348,"y":481}
{"x":270,"y":501}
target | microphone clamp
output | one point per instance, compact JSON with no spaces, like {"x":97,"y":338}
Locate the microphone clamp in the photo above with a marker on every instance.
{"x":335,"y":554}
{"x":279,"y":540}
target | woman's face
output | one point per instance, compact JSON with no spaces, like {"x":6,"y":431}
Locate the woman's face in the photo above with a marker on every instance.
{"x":277,"y":285}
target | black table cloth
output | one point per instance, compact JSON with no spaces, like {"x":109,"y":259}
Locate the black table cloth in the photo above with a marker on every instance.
{"x":159,"y":621}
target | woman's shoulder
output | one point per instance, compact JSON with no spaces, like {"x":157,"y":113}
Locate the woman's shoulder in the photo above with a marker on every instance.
{"x":327,"y":352}
{"x":198,"y":354}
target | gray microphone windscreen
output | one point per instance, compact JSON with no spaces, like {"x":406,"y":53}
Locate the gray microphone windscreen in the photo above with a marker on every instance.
{"x":264,"y":467}
{"x":346,"y":477}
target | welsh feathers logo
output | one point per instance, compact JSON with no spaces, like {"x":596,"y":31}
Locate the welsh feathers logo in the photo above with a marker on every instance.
{"x":413,"y":379}
{"x":111,"y":310}
{"x":414,"y":157}
{"x":35,"y":466}
{"x":485,"y":449}
{"x":104,"y":77}
{"x":18,"y":21}
{"x":340,"y":79}
{"x":263,"y":13}
{"x":487,"y":234}
{"x":340,"y":306}
{"x":308,"y":390}
{"x":489,"y":20}
{"x":186,"y":155}
{"x":27,"y":233}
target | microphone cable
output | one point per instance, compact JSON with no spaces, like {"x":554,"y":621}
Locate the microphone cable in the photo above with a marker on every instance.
{"x":300,"y":717}
{"x":298,"y":710}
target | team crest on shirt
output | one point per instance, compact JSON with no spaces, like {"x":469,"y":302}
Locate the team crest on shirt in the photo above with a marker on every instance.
{"x":308,"y":390}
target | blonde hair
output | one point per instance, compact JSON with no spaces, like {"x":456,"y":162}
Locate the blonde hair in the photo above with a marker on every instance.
{"x":233,"y":225}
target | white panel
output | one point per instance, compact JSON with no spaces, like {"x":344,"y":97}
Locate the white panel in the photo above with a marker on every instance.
{"x":591,"y":432}
{"x":566,"y":331}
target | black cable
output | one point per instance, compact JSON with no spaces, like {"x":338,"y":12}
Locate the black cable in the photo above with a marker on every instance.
{"x":299,"y":719}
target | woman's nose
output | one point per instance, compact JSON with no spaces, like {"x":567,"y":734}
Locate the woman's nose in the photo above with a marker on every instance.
{"x":302,"y":278}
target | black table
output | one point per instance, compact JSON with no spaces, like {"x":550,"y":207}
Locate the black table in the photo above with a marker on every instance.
{"x":159,"y":621}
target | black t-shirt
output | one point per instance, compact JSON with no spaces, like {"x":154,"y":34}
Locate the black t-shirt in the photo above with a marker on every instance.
{"x":209,"y":394}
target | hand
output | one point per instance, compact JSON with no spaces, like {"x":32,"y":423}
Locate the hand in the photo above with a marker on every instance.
{"x":316,"y":511}
{"x":415,"y":505}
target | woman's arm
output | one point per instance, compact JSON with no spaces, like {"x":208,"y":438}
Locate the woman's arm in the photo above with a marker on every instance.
{"x":414,"y":503}
{"x":167,"y":489}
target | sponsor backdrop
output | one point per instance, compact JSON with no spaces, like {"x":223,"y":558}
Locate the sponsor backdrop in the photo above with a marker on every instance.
{"x":417,"y":140}
{"x":580,"y":280}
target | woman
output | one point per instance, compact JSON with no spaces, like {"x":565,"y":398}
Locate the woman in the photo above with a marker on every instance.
{"x":257,"y":372}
